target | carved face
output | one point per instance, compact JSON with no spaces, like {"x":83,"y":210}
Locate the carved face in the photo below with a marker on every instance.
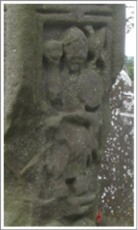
{"x":75,"y":48}
{"x":53,"y":51}
{"x":76,"y":55}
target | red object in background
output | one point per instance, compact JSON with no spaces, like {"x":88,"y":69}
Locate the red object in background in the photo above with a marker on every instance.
{"x":99,"y":218}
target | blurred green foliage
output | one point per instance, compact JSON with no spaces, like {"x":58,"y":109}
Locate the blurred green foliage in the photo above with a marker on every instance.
{"x":129,"y":64}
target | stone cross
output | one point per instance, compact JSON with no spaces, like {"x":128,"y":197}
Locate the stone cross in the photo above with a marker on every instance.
{"x":61,"y":61}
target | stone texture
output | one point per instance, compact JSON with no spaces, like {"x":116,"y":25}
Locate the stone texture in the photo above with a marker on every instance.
{"x":20,"y":51}
{"x":61,"y":61}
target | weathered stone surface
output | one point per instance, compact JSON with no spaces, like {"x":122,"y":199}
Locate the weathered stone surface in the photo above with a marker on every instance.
{"x":57,"y":118}
{"x":20,"y":51}
{"x":116,"y":173}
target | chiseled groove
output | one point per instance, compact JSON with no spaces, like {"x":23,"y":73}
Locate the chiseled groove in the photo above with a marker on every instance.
{"x":106,"y":13}
{"x":52,"y":11}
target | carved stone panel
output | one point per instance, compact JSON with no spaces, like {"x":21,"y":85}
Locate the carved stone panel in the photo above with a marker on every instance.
{"x":58,"y":143}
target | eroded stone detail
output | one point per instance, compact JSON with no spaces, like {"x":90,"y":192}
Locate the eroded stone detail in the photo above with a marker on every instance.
{"x":59,"y":147}
{"x":74,"y":93}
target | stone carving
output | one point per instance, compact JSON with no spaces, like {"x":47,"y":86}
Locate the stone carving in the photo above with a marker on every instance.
{"x":52,"y":54}
{"x":70,"y":164}
{"x":59,"y":165}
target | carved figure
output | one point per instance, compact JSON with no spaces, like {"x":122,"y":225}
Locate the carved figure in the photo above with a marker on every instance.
{"x":52,"y":51}
{"x":96,"y":42}
{"x":70,"y":164}
{"x":57,"y":116}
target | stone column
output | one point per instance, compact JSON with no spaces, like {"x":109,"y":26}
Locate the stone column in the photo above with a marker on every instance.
{"x":21,"y":58}
{"x":20,"y":102}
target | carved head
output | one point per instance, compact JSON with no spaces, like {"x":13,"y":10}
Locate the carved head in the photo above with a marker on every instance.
{"x":75,"y":47}
{"x":53,"y":51}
